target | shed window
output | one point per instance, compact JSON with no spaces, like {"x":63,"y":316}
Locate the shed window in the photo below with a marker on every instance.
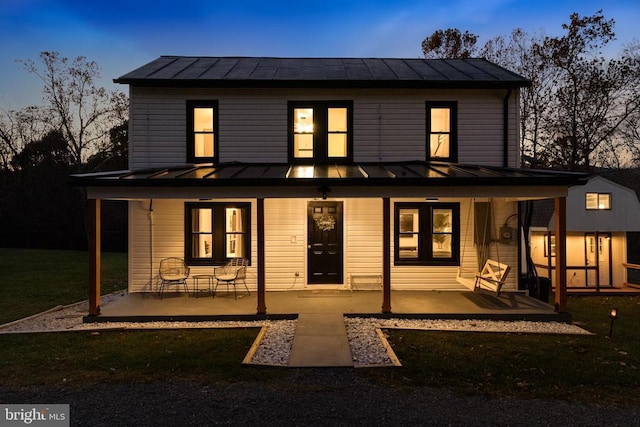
{"x":598,"y":201}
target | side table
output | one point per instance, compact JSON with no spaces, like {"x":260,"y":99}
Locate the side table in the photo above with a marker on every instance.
{"x":196,"y":285}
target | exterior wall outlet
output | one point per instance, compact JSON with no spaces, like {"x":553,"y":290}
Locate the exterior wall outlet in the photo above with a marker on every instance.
{"x":297,"y":274}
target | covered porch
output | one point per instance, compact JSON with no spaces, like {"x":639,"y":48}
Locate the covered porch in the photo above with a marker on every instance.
{"x":405,"y":304}
{"x":384,"y":182}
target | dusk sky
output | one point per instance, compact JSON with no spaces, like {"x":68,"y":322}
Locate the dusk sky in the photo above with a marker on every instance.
{"x":123,"y":35}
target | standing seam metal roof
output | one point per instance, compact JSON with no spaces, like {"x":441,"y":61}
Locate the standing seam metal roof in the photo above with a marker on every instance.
{"x":415,"y":173}
{"x":192,"y":70}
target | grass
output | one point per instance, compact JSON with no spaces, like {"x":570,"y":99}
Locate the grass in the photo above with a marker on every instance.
{"x":593,"y":369}
{"x":79,"y":358}
{"x":35,"y":280}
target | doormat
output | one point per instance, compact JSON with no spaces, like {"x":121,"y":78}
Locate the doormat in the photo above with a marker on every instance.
{"x":325,"y":293}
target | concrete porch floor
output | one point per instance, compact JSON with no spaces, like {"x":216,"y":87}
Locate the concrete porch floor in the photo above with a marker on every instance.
{"x":288,"y":304}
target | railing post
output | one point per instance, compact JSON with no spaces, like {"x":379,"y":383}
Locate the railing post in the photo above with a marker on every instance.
{"x":386,"y":255}
{"x":262,"y":306}
{"x":561,"y":254}
{"x":93,"y":231}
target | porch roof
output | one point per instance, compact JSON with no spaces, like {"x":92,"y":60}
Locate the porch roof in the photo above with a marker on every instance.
{"x":379,"y":174}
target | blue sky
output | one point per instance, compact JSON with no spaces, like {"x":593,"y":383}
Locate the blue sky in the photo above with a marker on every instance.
{"x":122,"y":35}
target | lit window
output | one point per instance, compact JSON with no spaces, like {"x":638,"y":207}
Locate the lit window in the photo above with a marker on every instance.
{"x":303,"y":132}
{"x":201,"y":131}
{"x":442,"y":132}
{"x":337,"y":133}
{"x":216,"y":232}
{"x":427,"y":233}
{"x":320,"y":132}
{"x":598,"y":201}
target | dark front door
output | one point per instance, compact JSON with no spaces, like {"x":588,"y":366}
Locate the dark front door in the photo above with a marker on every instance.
{"x":324,"y":242}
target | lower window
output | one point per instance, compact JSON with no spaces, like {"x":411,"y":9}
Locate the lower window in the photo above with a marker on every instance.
{"x":427,"y":233}
{"x":216,"y":232}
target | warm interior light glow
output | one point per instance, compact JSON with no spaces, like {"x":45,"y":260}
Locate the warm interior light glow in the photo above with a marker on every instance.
{"x":303,"y":120}
{"x":440,"y":137}
{"x":203,"y":119}
{"x":202,"y":233}
{"x":305,"y":171}
{"x":440,"y":120}
{"x":204,"y":139}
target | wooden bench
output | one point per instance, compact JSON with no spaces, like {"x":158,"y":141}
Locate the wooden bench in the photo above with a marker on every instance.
{"x":492,"y":276}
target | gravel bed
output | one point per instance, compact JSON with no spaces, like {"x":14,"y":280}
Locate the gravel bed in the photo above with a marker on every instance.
{"x":367,"y":348}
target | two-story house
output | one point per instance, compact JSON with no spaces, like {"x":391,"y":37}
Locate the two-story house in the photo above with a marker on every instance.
{"x":323,"y":171}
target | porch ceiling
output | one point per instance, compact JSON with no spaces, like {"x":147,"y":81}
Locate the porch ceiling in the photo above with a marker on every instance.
{"x":414,"y":173}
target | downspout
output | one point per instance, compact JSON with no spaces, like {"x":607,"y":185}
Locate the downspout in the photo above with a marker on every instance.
{"x":151,"y":245}
{"x":505,"y":135}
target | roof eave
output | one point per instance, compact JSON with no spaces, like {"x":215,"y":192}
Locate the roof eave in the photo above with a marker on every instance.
{"x":303,"y":84}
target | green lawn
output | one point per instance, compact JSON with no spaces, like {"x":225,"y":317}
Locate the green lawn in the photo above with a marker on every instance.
{"x":74,"y":359}
{"x":595,"y":369}
{"x":36,"y":280}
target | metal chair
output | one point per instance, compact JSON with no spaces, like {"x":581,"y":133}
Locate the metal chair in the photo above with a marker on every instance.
{"x":234,"y":270}
{"x":173,"y":271}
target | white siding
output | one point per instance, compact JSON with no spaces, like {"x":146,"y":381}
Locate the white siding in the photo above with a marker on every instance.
{"x":445,"y":278}
{"x":363,"y":243}
{"x":286,"y":244}
{"x":159,"y":234}
{"x":389,"y":125}
{"x":623,"y":215}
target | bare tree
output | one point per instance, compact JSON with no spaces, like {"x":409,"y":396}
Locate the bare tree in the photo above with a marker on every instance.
{"x":582,"y":109}
{"x":518,"y":54}
{"x":82,"y":111}
{"x":17,"y":129}
{"x":450,"y":43}
{"x":593,"y":96}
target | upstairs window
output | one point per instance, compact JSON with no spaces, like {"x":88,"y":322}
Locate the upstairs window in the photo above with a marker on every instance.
{"x":598,"y":201}
{"x":320,"y":132}
{"x":216,"y":232}
{"x":442,"y":132}
{"x":427,"y":233}
{"x":202,"y":123}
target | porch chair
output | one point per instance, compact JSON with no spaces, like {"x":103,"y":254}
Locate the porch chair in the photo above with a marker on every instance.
{"x":493,"y":276}
{"x":229,"y":274}
{"x":173,"y":271}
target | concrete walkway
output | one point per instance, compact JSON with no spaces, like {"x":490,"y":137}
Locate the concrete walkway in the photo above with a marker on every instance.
{"x":320,"y":341}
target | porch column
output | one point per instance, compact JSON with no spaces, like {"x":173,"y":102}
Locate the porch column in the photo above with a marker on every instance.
{"x":262,"y":307}
{"x":561,"y":254}
{"x":386,"y":255}
{"x":93,"y":237}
